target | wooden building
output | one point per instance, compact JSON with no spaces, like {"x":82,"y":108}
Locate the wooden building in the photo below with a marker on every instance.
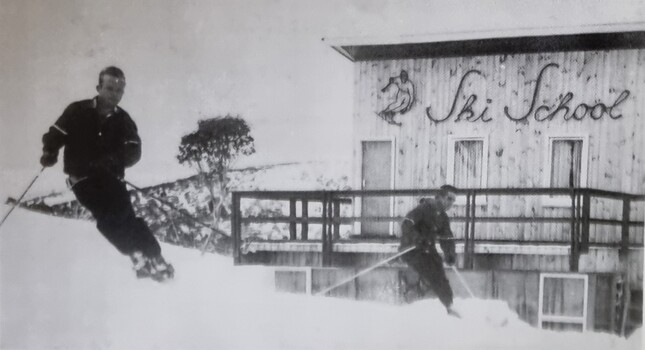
{"x":543,"y":135}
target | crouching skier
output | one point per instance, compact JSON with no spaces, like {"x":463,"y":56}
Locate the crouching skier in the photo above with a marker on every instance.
{"x":422,"y":227}
{"x":100,"y":141}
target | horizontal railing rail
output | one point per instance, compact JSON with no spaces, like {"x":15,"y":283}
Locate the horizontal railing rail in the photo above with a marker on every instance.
{"x":538,"y":191}
{"x":329,"y":216}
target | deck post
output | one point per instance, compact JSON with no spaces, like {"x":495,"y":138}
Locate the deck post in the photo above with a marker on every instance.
{"x":574,"y":254}
{"x":624,"y":239}
{"x":292,"y":219}
{"x":330,"y":236}
{"x":467,"y":242}
{"x":305,"y":222}
{"x":471,"y":252}
{"x":584,"y":234}
{"x":236,"y":228}
{"x":326,"y":231}
{"x":336,"y":218}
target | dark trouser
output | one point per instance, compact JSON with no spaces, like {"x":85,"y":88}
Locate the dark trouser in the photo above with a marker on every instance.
{"x":429,"y":266}
{"x":109,"y":202}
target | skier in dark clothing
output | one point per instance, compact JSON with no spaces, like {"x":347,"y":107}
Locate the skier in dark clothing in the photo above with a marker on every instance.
{"x":100,"y":141}
{"x":422,"y":227}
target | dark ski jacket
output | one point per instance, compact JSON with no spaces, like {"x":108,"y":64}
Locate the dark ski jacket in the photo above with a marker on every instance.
{"x":93,"y":142}
{"x":426,"y":224}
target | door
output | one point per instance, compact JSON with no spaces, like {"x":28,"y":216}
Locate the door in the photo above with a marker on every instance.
{"x":376,"y":174}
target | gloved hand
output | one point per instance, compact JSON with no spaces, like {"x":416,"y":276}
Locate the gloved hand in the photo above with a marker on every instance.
{"x":424,"y":245}
{"x":450,"y":259}
{"x":48,"y":159}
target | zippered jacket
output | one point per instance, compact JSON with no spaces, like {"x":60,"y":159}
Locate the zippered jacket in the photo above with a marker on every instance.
{"x":93,"y":142}
{"x":425,"y":225}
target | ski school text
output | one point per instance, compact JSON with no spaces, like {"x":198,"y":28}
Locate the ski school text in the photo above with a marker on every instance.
{"x":540,"y":113}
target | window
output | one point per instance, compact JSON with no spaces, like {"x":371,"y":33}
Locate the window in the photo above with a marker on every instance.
{"x":293,"y":279}
{"x":468,"y":164}
{"x":567,"y":166}
{"x":563,"y":301}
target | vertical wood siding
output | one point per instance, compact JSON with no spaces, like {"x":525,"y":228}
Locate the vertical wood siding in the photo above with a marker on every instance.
{"x":517,"y":151}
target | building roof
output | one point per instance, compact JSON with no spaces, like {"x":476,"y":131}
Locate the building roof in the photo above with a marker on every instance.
{"x":523,"y":40}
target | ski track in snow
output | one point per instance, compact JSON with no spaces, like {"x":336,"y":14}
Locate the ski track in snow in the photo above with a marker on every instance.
{"x":64,"y":287}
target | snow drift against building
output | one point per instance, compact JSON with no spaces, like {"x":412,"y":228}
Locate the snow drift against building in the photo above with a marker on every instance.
{"x":63,"y":286}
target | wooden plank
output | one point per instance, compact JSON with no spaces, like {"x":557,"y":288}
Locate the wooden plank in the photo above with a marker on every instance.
{"x":268,"y":246}
{"x":353,"y":219}
{"x":379,"y":285}
{"x":616,"y":222}
{"x":612,"y":303}
{"x":292,"y":280}
{"x":417,"y":192}
{"x":479,"y":282}
{"x":322,"y":278}
{"x":520,"y":290}
{"x":546,"y":248}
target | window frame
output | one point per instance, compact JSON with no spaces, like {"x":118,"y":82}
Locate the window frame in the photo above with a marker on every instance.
{"x":450,"y":168}
{"x":562,"y":319}
{"x":564,"y":201}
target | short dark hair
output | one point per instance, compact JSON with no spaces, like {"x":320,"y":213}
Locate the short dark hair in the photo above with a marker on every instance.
{"x":112,"y":71}
{"x":445,"y":189}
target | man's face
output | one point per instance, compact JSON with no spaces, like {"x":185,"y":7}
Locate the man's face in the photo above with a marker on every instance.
{"x":110,"y":90}
{"x":447,"y":200}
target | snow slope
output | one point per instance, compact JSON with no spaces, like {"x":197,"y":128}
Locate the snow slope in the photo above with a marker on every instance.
{"x":64,"y":287}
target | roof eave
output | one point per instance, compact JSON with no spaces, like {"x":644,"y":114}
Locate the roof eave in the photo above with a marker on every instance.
{"x":600,"y":36}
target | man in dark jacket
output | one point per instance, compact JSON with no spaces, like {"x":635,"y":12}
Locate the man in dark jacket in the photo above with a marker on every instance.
{"x":423,"y":227}
{"x":100,"y":141}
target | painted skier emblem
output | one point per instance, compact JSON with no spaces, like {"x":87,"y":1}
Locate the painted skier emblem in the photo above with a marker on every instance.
{"x":403,"y":99}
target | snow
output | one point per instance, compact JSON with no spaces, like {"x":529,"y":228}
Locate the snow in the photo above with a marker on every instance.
{"x":64,"y":287}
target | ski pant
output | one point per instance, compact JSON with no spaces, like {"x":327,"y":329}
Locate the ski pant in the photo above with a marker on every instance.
{"x":429,"y":265}
{"x":107,"y":198}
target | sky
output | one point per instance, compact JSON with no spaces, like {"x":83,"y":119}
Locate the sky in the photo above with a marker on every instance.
{"x":64,"y":287}
{"x":262,"y":60}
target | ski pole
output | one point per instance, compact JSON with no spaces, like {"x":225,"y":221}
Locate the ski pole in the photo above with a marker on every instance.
{"x":327,"y":290}
{"x":21,"y":196}
{"x":463,"y":282}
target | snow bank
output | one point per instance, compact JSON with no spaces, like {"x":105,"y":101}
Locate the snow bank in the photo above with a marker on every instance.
{"x":64,"y":286}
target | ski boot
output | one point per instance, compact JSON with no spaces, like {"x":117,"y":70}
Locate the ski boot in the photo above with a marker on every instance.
{"x":161,"y":270}
{"x":140,"y":265}
{"x":452,"y":312}
{"x":156,"y":268}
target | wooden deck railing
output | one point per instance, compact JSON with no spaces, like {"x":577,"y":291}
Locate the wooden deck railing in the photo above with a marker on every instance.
{"x":579,"y":216}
